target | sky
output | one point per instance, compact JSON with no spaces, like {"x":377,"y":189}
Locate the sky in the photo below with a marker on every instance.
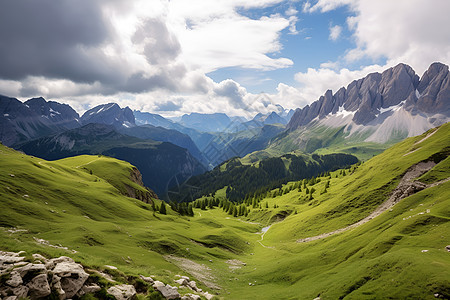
{"x":240,"y":57}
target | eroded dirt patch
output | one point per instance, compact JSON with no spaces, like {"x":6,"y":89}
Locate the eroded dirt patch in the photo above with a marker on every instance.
{"x":201,"y":272}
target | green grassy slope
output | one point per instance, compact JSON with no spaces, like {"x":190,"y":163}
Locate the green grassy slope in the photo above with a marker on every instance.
{"x":322,"y":140}
{"x":383,"y":258}
{"x":64,"y":204}
{"x":380,"y":259}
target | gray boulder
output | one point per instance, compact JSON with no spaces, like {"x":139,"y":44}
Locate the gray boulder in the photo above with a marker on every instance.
{"x":147,"y":279}
{"x":169,"y":292}
{"x":122,"y":291}
{"x":15,"y":279}
{"x":50,"y":264}
{"x":39,"y":287}
{"x":32,"y":268}
{"x":72,"y":277}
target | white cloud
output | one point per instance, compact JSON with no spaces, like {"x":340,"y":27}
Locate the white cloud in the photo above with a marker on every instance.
{"x":335,"y":32}
{"x":156,"y":50}
{"x":411,"y":31}
{"x":414,"y":32}
{"x":325,"y":5}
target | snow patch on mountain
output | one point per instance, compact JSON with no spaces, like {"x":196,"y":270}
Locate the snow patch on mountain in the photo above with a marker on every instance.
{"x":399,"y":122}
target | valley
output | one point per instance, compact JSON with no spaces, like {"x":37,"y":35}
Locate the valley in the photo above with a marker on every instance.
{"x":224,"y":150}
{"x":400,"y":253}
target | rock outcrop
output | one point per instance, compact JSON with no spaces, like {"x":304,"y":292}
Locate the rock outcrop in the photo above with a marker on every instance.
{"x":37,"y":279}
{"x":62,"y":277}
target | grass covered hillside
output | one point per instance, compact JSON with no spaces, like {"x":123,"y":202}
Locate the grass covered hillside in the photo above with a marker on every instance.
{"x":242,"y":178}
{"x":375,"y":230}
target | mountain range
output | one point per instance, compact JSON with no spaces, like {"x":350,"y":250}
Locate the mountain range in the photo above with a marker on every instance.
{"x":383,"y":106}
{"x":362,"y":119}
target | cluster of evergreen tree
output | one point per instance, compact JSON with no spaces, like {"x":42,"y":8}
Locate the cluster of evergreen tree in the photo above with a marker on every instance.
{"x":183,"y":208}
{"x":245,"y":181}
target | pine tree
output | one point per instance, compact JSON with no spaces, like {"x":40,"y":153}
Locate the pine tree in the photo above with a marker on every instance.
{"x":190,"y":210}
{"x":162,"y":208}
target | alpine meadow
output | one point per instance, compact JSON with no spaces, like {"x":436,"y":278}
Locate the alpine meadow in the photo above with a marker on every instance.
{"x":263,"y":149}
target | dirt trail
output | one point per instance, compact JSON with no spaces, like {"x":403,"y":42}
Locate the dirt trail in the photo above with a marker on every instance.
{"x":88,"y":163}
{"x":426,"y":137}
{"x":265,"y":229}
{"x":405,"y":188}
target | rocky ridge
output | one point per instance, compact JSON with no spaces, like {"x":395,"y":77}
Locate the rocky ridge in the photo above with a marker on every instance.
{"x":110,"y":114}
{"x":34,"y":118}
{"x":394,"y":100}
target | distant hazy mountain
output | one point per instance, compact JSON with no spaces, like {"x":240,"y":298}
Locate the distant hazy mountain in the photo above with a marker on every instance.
{"x":159,"y":162}
{"x":382,"y":107}
{"x":206,"y":122}
{"x":272,"y":118}
{"x":34,"y":118}
{"x":109,"y":114}
{"x":165,"y":135}
{"x":144,"y":118}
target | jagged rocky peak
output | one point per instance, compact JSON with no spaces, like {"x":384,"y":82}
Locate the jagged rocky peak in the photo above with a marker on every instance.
{"x":434,"y":90}
{"x":366,"y":98}
{"x":110,"y":114}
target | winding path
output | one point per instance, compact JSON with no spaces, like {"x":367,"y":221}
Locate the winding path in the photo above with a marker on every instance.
{"x":405,"y":188}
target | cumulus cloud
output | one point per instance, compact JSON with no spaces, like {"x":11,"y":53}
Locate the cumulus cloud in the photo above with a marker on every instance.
{"x":233,"y":91}
{"x":335,"y":32}
{"x":143,"y":53}
{"x":398,"y":31}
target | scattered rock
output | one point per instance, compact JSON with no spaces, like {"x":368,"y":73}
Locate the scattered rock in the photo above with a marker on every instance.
{"x":447,"y":248}
{"x":182,"y":281}
{"x":193,"y":285}
{"x":423,"y":251}
{"x":38,"y":257}
{"x":168,"y":292}
{"x":39,"y":287}
{"x":190,"y":297}
{"x":122,"y":291}
{"x":157,"y":283}
{"x":111,"y":267}
{"x":90,"y":289}
{"x":208,"y":296}
{"x":147,"y":279}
